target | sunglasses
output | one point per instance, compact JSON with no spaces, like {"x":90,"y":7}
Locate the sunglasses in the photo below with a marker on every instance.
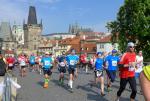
{"x":131,"y":46}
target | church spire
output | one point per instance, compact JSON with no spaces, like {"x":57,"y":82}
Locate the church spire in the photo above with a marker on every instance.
{"x":32,"y":19}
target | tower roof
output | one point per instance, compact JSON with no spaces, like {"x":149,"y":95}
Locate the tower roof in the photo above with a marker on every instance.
{"x":32,"y":19}
{"x":5,"y":30}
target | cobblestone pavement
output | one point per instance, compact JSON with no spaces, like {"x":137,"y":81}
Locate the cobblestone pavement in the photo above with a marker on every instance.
{"x":32,"y":89}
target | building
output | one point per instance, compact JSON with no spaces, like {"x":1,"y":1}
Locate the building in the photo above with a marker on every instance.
{"x":5,"y":31}
{"x":75,"y":28}
{"x":79,"y":44}
{"x":59,"y":35}
{"x":105,"y":44}
{"x":7,"y":37}
{"x":18,"y":34}
{"x":32,"y":31}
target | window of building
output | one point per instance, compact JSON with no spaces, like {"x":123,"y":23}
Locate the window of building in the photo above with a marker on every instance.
{"x":6,"y":45}
{"x":34,"y":47}
{"x":94,"y":48}
{"x":101,"y":46}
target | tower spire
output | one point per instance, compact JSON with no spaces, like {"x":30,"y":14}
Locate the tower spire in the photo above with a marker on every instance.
{"x":32,"y":19}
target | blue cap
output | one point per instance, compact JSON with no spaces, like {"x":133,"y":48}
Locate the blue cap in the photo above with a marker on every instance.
{"x":73,"y":50}
{"x":114,"y":51}
{"x":99,"y":53}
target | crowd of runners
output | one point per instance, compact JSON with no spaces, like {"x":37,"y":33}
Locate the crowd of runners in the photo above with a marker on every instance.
{"x":128,"y":65}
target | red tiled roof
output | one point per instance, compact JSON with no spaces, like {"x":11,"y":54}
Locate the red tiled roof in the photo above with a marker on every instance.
{"x":105,"y":39}
{"x":88,"y":47}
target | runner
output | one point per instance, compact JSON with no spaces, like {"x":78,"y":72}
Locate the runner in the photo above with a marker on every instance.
{"x":38,"y":65}
{"x":72,"y":60}
{"x":145,"y":82}
{"x":111,"y":62}
{"x":10,"y":61}
{"x":62,"y":67}
{"x":127,"y":72}
{"x":139,"y":64}
{"x":47,"y":68}
{"x":84,"y":62}
{"x":22,"y":61}
{"x":32,"y":62}
{"x":92,"y":62}
{"x":99,"y":76}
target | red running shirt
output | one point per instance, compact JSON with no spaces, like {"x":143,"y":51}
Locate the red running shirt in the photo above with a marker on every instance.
{"x":83,"y":58}
{"x":126,"y":72}
{"x":10,"y":61}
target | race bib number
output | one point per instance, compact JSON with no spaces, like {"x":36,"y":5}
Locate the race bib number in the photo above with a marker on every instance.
{"x":22,"y":63}
{"x":131,"y":68}
{"x":72,"y":62}
{"x":99,"y":73}
{"x":10,"y":64}
{"x":62,"y":64}
{"x":32,"y":60}
{"x":47,"y":63}
{"x":114,"y":63}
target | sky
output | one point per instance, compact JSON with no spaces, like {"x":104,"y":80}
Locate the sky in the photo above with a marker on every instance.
{"x":58,"y":14}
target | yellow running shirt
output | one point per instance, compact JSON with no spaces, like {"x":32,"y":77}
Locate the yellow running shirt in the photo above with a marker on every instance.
{"x":146,"y":70}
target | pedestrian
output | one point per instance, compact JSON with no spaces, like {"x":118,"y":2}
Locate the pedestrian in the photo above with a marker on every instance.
{"x":11,"y":61}
{"x":62,"y":67}
{"x":99,"y":74}
{"x":3,"y":65}
{"x":72,"y":60}
{"x":23,"y":64}
{"x":32,"y":62}
{"x":145,"y":82}
{"x":139,"y":64}
{"x":111,"y":62}
{"x":127,"y":72}
{"x":47,"y":68}
{"x":84,"y":62}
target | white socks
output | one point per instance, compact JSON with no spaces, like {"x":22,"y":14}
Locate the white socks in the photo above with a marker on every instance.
{"x":70,"y":83}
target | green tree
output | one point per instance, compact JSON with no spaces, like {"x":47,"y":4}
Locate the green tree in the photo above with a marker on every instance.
{"x":132,"y":24}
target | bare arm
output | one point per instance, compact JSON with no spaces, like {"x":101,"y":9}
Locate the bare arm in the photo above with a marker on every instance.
{"x":145,"y":85}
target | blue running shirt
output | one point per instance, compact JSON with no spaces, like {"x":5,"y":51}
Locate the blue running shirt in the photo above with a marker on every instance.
{"x":72,"y":60}
{"x":32,"y":60}
{"x":47,"y":62}
{"x":99,"y":63}
{"x":112,"y":62}
{"x":61,"y":58}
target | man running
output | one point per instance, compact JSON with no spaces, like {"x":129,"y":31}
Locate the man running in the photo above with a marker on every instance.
{"x":11,"y":61}
{"x":62,"y":67}
{"x":127,"y":72}
{"x":22,"y":61}
{"x":72,"y":60}
{"x":47,"y":67}
{"x":145,"y":82}
{"x":112,"y":63}
{"x":84,"y":62}
{"x":32,"y":62}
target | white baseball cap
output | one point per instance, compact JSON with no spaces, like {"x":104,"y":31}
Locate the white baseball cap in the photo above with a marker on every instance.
{"x":130,"y":44}
{"x":46,"y":52}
